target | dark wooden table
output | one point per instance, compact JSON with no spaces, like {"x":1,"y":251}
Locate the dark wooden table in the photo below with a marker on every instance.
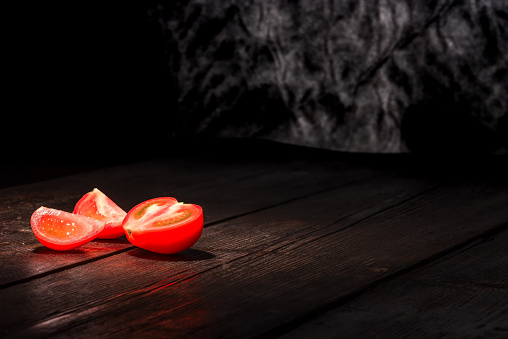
{"x":297,"y":243}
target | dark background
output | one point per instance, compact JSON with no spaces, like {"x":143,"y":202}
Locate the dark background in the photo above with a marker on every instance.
{"x":85,"y":89}
{"x":87,"y":82}
{"x":92,"y":84}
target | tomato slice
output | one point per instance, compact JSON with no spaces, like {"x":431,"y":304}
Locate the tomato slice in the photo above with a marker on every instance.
{"x":97,"y":205}
{"x":164,"y":225}
{"x":63,"y":231}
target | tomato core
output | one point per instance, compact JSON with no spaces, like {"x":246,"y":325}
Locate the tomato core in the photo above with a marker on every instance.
{"x":176,"y":217}
{"x":144,"y":209}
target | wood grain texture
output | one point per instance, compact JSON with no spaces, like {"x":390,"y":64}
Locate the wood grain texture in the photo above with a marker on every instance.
{"x":288,"y":238}
{"x":138,"y":272}
{"x":251,"y":290}
{"x":463,"y":295}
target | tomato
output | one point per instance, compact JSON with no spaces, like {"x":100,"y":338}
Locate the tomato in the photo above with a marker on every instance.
{"x":97,"y":205}
{"x":164,"y":225}
{"x":63,"y":231}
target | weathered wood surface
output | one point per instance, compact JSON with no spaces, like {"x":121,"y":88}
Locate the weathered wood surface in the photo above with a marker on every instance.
{"x":463,"y":295}
{"x":216,"y":185}
{"x":289,"y":241}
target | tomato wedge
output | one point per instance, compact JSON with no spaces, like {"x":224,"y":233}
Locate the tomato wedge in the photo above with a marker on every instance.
{"x":63,"y":231}
{"x":97,"y":205}
{"x":164,"y":225}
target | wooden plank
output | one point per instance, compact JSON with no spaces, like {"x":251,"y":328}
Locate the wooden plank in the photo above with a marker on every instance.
{"x":137,"y":273}
{"x":285,"y":280}
{"x":463,"y":295}
{"x":212,"y":185}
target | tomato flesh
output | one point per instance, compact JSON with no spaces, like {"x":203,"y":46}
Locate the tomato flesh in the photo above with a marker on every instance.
{"x":63,"y":231}
{"x":164,"y":225}
{"x":97,"y":205}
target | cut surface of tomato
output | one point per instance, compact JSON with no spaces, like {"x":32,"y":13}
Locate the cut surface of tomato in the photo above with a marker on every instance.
{"x":63,"y":231}
{"x":97,"y":205}
{"x":164,"y":225}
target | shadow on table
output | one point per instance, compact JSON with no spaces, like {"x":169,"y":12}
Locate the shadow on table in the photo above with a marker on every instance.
{"x":45,"y":250}
{"x":120,"y":240}
{"x":187,"y":255}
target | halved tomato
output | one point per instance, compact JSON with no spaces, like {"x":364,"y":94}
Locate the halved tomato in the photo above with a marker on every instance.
{"x":164,"y":225}
{"x":63,"y":231}
{"x":97,"y":205}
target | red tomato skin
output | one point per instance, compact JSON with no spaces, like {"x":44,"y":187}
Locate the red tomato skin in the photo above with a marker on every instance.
{"x":87,"y":206}
{"x":182,"y":238}
{"x":166,"y":239}
{"x":66,"y":244}
{"x":112,"y":230}
{"x":113,"y":235}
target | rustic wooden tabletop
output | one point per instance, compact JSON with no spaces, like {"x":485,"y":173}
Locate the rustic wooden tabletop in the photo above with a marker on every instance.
{"x":297,"y":243}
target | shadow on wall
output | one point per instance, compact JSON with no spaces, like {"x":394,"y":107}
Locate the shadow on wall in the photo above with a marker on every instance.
{"x":348,"y":75}
{"x":446,"y":127}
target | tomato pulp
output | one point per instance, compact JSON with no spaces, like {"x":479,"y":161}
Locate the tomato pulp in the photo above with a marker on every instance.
{"x":63,"y":231}
{"x":97,"y":205}
{"x":164,"y":225}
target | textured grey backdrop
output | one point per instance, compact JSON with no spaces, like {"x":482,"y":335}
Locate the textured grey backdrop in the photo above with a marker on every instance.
{"x":349,"y":75}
